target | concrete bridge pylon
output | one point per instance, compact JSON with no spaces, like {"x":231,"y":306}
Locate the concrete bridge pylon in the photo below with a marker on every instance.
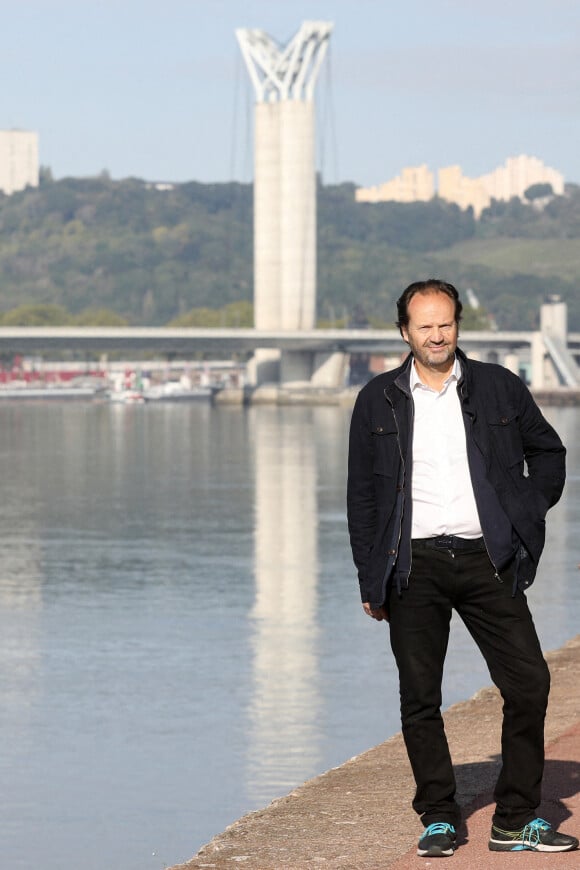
{"x":284,"y":79}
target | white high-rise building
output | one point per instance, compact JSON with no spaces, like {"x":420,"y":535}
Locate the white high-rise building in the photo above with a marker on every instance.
{"x":507,"y":181}
{"x":519,"y":173}
{"x":465,"y":192}
{"x":18,"y":160}
{"x":414,"y":184}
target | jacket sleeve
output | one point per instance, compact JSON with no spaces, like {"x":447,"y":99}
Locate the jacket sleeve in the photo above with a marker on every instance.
{"x":544,"y":452}
{"x":361,"y":494}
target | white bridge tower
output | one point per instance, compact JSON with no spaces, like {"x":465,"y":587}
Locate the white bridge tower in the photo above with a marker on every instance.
{"x":284,"y":78}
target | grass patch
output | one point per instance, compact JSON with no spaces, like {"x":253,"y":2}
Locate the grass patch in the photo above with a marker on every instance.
{"x":540,"y":257}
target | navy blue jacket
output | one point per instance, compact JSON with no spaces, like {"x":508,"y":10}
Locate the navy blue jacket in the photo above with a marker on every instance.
{"x":516,"y":461}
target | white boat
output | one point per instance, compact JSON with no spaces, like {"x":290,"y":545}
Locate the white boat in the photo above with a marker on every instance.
{"x":51,"y":392}
{"x":173,"y":391}
{"x":127,"y":397}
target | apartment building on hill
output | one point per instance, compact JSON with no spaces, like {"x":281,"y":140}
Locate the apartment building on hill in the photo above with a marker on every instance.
{"x":414,"y":184}
{"x":510,"y":180}
{"x":18,"y":160}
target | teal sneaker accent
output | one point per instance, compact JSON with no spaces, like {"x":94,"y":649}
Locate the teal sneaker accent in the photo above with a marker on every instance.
{"x":437,"y":841}
{"x":536,"y":836}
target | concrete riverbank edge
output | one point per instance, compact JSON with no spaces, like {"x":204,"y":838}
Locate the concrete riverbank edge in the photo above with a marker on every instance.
{"x":305,"y":394}
{"x":358,"y":815}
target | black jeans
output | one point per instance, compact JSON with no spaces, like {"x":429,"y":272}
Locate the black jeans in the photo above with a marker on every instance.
{"x":502,"y":627}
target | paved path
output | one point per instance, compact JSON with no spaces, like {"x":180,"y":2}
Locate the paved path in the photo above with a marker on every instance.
{"x":561,"y":805}
{"x":358,"y":816}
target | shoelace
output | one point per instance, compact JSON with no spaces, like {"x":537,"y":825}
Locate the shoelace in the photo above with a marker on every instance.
{"x":531,"y":832}
{"x":440,"y":828}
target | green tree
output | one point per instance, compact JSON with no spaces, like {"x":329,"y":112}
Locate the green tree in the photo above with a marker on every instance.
{"x":45,"y":176}
{"x":151,"y":256}
{"x":99,"y":317}
{"x":538,"y":191}
{"x":235,"y":314}
{"x":474,"y":318}
{"x":37,"y":315}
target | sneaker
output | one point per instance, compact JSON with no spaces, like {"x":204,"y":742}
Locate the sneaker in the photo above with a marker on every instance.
{"x":537,"y":836}
{"x":437,"y":841}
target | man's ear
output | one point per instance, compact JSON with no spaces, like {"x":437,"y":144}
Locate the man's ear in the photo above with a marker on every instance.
{"x":405,"y":334}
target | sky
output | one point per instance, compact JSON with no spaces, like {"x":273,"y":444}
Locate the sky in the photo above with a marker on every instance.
{"x":158,"y":90}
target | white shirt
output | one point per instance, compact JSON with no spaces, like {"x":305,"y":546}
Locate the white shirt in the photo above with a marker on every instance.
{"x":443,"y":500}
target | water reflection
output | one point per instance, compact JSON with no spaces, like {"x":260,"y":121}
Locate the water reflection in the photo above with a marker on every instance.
{"x":173,"y":644}
{"x":284,"y":708}
{"x":21,"y":604}
{"x":556,"y":589}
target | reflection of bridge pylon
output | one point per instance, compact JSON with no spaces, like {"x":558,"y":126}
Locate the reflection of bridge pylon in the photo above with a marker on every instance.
{"x":285,"y":706}
{"x":284,"y":78}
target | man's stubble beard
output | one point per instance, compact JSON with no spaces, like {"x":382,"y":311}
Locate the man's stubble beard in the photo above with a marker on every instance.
{"x":426,"y":358}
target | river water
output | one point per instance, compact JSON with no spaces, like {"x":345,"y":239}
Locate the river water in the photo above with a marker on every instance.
{"x":181,"y":634}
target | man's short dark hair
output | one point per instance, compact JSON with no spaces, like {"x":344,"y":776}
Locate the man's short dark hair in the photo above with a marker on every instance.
{"x":431,"y":285}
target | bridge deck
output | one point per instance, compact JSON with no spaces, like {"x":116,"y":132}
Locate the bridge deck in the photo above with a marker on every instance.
{"x":25,"y":340}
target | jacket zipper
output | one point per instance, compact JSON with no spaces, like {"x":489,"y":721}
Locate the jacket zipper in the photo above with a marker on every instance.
{"x":493,"y":565}
{"x":404,"y":468}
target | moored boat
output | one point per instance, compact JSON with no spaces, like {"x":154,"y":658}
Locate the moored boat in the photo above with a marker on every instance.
{"x":176,"y":392}
{"x":50,"y":392}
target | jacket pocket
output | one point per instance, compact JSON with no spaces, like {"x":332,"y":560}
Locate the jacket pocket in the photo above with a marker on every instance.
{"x":509,"y":448}
{"x":510,"y":452}
{"x":386,"y":454}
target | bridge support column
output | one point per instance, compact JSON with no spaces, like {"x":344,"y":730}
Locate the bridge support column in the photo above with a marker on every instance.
{"x":296,"y":365}
{"x":284,"y":79}
{"x":560,"y":368}
{"x":309,"y":368}
{"x":313,"y":369}
{"x":329,"y":369}
{"x":512,"y":362}
{"x":263,"y":367}
{"x":539,"y":380}
{"x":554,"y":318}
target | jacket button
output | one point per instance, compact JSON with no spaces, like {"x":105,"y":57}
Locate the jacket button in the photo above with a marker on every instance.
{"x":379,"y":429}
{"x":503,"y":420}
{"x":391,"y":552}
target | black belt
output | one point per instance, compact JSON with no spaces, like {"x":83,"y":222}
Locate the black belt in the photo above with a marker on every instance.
{"x":450,"y":542}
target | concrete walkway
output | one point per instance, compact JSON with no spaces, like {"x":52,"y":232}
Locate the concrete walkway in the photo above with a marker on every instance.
{"x":358,"y":815}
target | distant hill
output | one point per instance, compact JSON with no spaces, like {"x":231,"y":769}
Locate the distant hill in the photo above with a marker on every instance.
{"x":152,"y":255}
{"x":512,"y":258}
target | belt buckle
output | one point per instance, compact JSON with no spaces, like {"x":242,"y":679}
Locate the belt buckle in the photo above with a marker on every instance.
{"x":444,"y":542}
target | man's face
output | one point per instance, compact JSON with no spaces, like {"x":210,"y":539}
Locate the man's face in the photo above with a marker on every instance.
{"x":432,"y":330}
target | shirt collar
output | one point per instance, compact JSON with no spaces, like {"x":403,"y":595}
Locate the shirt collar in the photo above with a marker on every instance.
{"x":454,"y":375}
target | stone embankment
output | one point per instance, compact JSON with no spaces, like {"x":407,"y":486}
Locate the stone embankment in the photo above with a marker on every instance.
{"x":306,"y":395}
{"x":358,"y":816}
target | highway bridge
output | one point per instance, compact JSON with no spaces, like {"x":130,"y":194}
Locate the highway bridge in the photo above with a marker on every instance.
{"x":222,"y":343}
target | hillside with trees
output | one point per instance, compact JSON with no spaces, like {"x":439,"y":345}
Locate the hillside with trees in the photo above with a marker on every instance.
{"x":98,"y":251}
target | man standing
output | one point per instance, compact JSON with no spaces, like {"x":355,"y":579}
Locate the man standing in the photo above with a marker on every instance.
{"x":452,"y":469}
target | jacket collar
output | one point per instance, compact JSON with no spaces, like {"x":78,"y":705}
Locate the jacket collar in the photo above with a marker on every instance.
{"x":465,"y":379}
{"x":403,"y":378}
